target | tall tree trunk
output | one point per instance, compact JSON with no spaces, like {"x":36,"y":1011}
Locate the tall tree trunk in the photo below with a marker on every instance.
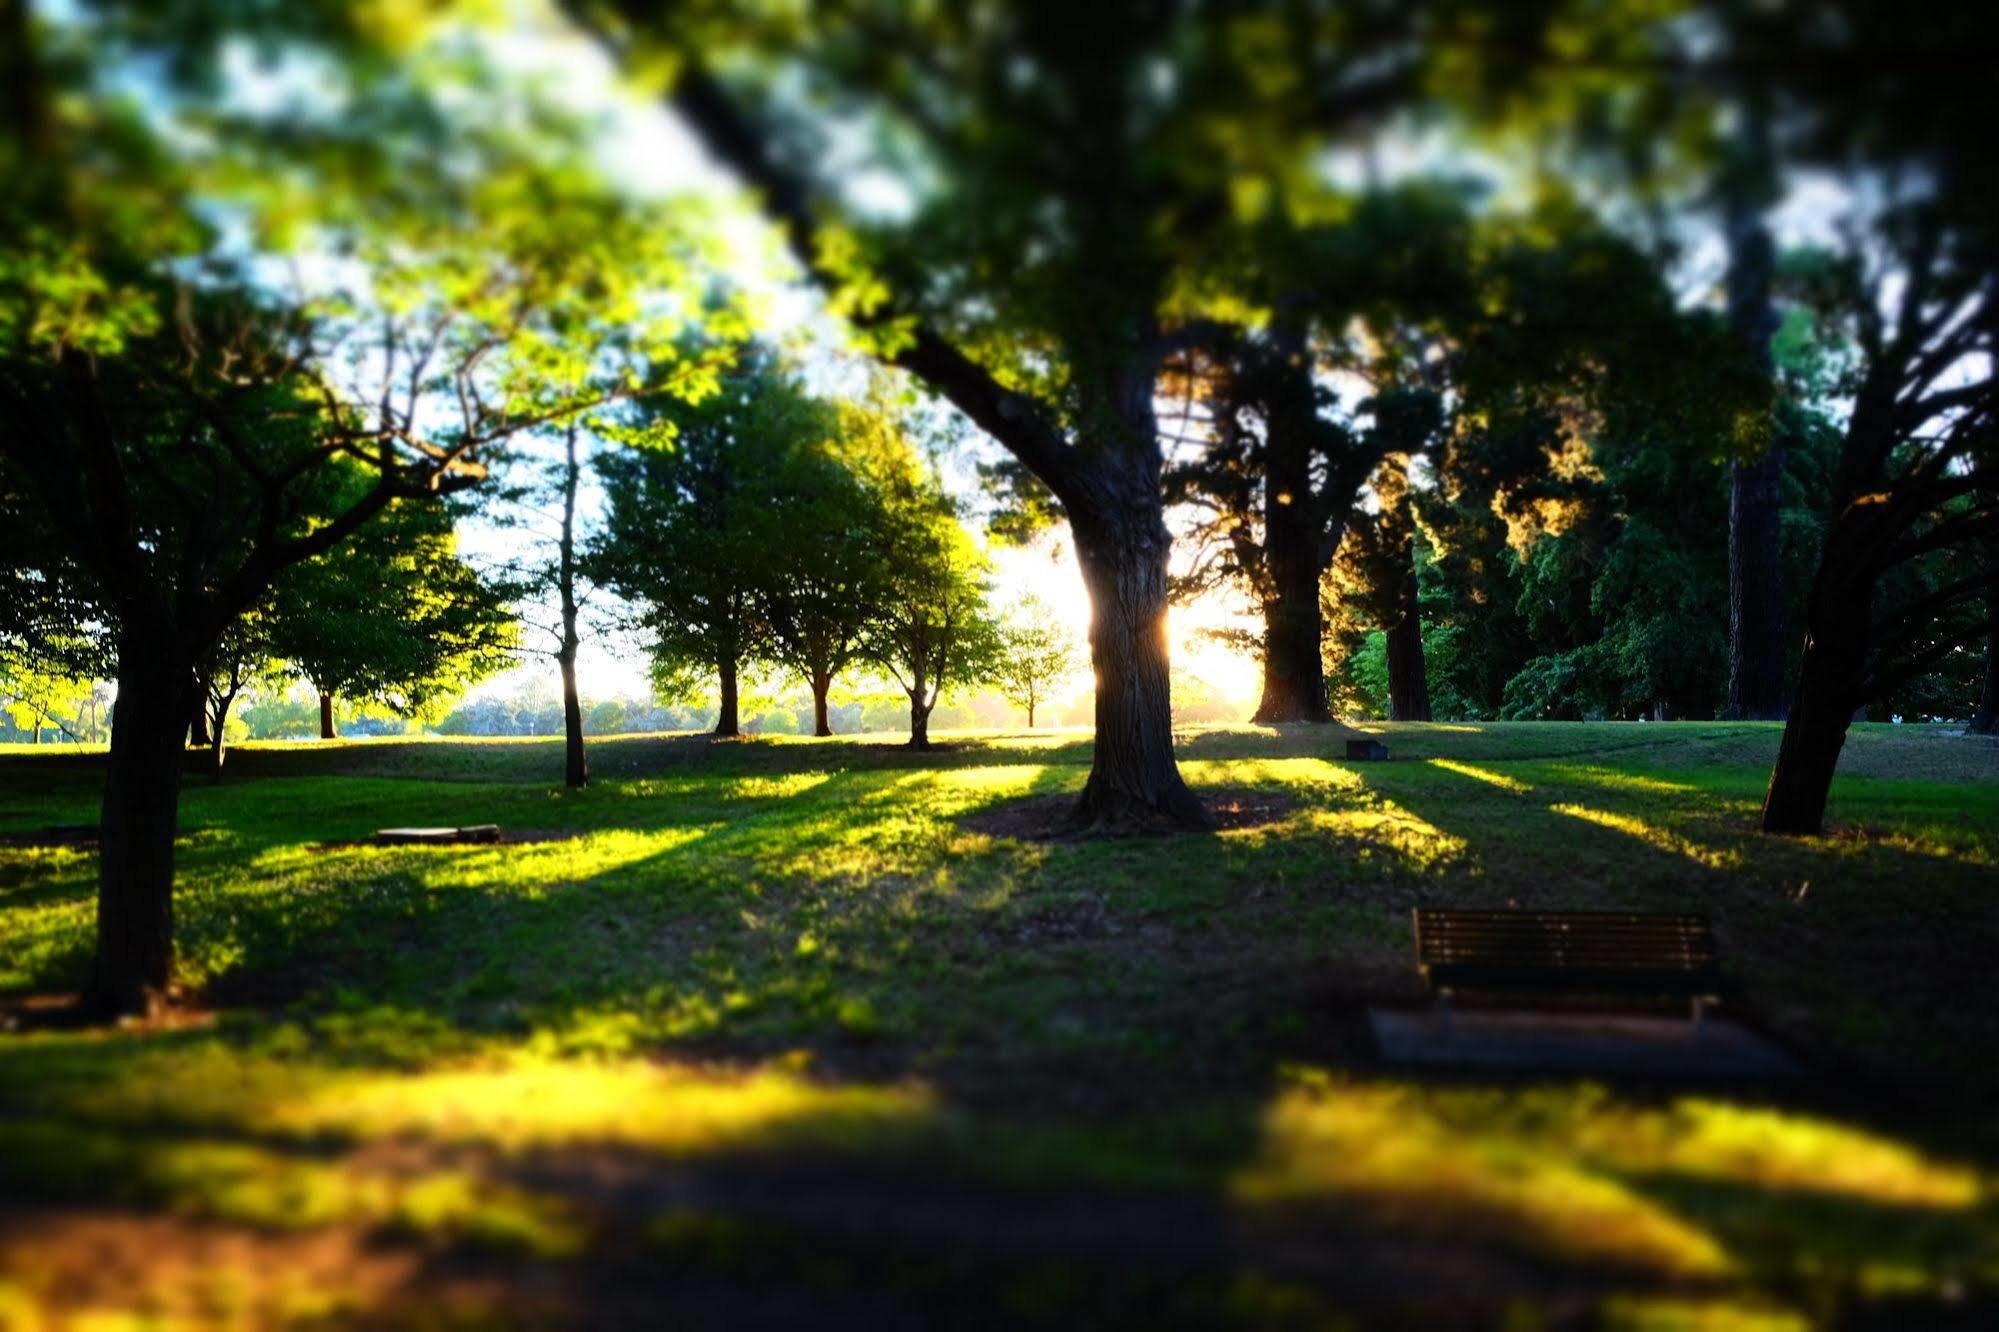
{"x":1755,"y":590}
{"x":1986,"y":720}
{"x":197,"y":726}
{"x":1123,"y":548}
{"x":1756,"y":632}
{"x":134,"y":963}
{"x":822,"y":683}
{"x":1408,"y":676}
{"x":327,"y":730}
{"x":575,"y":769}
{"x":919,"y":718}
{"x":727,"y":721}
{"x":1294,"y":670}
{"x":1030,"y":711}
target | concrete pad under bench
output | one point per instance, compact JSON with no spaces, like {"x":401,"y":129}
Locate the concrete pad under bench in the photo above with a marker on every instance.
{"x":483,"y":834}
{"x":1576,"y":1042}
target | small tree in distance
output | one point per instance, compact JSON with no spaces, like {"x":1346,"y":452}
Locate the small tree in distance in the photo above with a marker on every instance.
{"x":934,"y":631}
{"x":1037,"y":652}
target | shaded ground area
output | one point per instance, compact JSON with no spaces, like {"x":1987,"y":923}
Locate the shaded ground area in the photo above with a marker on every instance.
{"x":1050,"y":818}
{"x":793,"y":1031}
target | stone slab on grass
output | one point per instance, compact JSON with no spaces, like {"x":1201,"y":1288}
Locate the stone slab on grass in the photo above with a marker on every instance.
{"x":484,"y":834}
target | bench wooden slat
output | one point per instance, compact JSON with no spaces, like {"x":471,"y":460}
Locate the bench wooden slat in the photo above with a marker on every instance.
{"x":1577,"y":951}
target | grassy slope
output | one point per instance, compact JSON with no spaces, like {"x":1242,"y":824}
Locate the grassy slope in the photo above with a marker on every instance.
{"x":788,"y":949}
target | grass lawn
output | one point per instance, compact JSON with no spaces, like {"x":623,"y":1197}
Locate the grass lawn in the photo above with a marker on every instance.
{"x":775,"y":1040}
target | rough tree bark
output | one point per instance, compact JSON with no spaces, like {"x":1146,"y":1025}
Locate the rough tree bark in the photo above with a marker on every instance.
{"x":575,"y":769}
{"x":1408,"y":678}
{"x":327,"y":730}
{"x":1134,"y":783}
{"x":822,"y":684}
{"x":134,"y":962}
{"x":919,"y":717}
{"x":1756,"y":621}
{"x":727,"y":719}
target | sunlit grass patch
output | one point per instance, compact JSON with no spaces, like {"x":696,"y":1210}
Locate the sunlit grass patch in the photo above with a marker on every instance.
{"x":1575,"y":1171}
{"x":1599,"y":775}
{"x":1378,"y":831}
{"x":1486,"y":775}
{"x":274,"y":1188}
{"x":1657,"y":1314}
{"x":775,"y":788}
{"x":1652,"y":835}
{"x":1379,"y":1147}
{"x":526,"y":1102}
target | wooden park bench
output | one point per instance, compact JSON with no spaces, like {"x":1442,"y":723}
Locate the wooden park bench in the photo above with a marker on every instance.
{"x":1593,"y":953}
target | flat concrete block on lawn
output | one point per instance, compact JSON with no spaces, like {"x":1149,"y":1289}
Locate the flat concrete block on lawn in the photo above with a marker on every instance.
{"x":479,"y":834}
{"x":1578,"y":1042}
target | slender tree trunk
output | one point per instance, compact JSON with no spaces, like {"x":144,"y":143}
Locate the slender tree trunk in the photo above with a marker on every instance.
{"x":1123,"y":548}
{"x":134,"y":963}
{"x":217,"y":744}
{"x":575,"y":769}
{"x":822,"y":683}
{"x":1829,"y":685}
{"x":919,"y":717}
{"x":1030,"y":711}
{"x":1806,"y":760}
{"x":1756,"y":631}
{"x":1408,"y":676}
{"x":727,"y":722}
{"x":327,"y":730}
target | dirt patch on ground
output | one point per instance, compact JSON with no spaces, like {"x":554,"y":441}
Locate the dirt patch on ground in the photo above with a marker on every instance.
{"x":1047,"y":818}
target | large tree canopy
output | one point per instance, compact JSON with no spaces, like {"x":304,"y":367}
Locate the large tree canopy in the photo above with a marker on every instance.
{"x":1063,"y":179}
{"x":174,"y":398}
